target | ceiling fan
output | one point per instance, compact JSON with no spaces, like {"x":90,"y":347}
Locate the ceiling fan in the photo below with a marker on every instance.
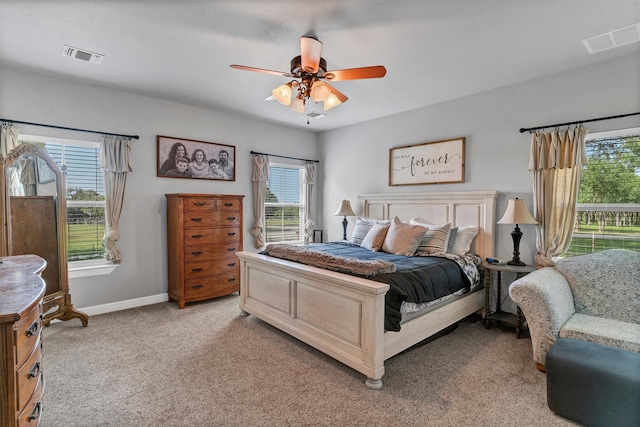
{"x":309,"y":71}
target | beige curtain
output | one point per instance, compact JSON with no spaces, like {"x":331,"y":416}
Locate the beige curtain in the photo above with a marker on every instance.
{"x":556,"y":161}
{"x":309,"y":180}
{"x":8,"y":138}
{"x":115,"y":161}
{"x":259,"y":178}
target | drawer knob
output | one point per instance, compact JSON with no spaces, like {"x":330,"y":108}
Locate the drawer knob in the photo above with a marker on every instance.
{"x":198,"y":204}
{"x":35,"y":370}
{"x":233,"y":279}
{"x":196,"y":236}
{"x":33,"y":329}
{"x":231,"y":218}
{"x":196,"y":269}
{"x":231,"y":233}
{"x":196,"y":219}
{"x":228,"y":204}
{"x":196,"y":253}
{"x":231,"y":249}
{"x":35,"y":414}
{"x":231,"y":264}
{"x":197,"y":286}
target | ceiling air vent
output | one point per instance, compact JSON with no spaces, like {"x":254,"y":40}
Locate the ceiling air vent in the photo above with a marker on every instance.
{"x":82,"y":54}
{"x":613,"y":38}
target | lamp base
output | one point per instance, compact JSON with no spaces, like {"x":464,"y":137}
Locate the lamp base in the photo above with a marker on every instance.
{"x":344,"y":228}
{"x":516,"y":235}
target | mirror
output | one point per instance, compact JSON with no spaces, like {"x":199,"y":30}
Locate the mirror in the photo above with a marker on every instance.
{"x":35,"y":215}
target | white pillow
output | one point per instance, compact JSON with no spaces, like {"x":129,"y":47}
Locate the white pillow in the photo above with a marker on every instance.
{"x":375,"y":237}
{"x":403,"y":239}
{"x":435,"y":240}
{"x":464,"y":238}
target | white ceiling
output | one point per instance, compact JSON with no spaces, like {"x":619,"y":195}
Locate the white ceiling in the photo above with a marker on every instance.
{"x":433,"y":50}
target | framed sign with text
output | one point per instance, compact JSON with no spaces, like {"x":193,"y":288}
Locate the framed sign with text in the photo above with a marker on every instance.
{"x":438,"y":162}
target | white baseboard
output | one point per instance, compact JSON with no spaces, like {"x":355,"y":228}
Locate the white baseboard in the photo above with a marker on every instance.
{"x":124,"y":305}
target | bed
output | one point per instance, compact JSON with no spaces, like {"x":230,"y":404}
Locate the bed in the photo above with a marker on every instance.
{"x":343,"y":315}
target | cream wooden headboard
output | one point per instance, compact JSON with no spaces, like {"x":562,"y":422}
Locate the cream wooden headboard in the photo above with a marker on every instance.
{"x":462,"y":208}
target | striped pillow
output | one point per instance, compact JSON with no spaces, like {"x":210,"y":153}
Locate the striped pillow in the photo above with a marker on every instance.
{"x":435,"y":240}
{"x":363,"y":225}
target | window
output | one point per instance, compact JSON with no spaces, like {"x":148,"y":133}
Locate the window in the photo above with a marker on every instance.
{"x":85,"y":196}
{"x":284,"y":204}
{"x":608,"y":210}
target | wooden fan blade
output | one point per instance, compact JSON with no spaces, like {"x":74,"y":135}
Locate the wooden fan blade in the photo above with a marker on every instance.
{"x":341,"y":96}
{"x":374,"y":72}
{"x":310,"y":50}
{"x":262,"y":70}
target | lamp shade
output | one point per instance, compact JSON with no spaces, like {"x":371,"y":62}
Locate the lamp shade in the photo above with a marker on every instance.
{"x":320,"y":91}
{"x":331,"y":101}
{"x":517,"y":213}
{"x":344,"y":209}
{"x":283,"y":94}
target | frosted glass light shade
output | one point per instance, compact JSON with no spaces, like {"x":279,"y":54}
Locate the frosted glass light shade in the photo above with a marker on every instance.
{"x":297,"y":105}
{"x":283,"y":94}
{"x":331,"y":101}
{"x":320,"y":91}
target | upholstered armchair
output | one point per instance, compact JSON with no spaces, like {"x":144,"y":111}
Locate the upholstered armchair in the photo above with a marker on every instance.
{"x":593,"y":297}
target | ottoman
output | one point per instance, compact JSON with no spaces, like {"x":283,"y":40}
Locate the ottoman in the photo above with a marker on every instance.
{"x":593,"y":384}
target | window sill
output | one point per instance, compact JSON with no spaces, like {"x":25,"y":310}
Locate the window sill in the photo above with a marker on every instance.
{"x":81,"y":269}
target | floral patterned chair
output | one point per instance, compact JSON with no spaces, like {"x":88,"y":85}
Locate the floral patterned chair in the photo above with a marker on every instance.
{"x":593,"y":297}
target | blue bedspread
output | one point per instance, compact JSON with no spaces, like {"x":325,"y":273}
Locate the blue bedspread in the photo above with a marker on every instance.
{"x":417,"y":279}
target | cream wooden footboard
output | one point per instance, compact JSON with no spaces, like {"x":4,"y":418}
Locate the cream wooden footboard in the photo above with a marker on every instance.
{"x":343,"y":315}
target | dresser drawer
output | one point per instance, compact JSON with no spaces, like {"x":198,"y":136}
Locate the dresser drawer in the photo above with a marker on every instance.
{"x":228,"y":205}
{"x":213,"y":252}
{"x":28,"y":377}
{"x":211,"y":219}
{"x":202,"y":204}
{"x":211,"y":268}
{"x":28,"y":334}
{"x":32,"y":412}
{"x":221,"y":284}
{"x":218,"y":237}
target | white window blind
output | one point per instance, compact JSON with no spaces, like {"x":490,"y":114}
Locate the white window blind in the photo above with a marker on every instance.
{"x":85,"y":198}
{"x":284,"y":204}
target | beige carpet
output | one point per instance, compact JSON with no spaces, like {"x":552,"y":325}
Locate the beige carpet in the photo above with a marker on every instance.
{"x":206,"y":365}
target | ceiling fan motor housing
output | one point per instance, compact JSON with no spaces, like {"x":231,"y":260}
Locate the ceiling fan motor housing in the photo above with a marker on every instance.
{"x":296,"y":67}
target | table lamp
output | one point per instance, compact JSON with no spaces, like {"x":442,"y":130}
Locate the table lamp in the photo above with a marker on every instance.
{"x":517,"y":213}
{"x":344,"y":209}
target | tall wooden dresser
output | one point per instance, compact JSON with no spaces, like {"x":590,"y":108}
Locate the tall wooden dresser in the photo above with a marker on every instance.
{"x":21,"y":377}
{"x":204,"y":231}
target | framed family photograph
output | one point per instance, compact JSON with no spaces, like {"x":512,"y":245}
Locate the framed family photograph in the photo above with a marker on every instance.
{"x":438,"y":162}
{"x":188,"y":158}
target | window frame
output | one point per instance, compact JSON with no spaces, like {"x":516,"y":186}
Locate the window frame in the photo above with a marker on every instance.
{"x":301,"y":205}
{"x":614,"y":207}
{"x":86,"y":268}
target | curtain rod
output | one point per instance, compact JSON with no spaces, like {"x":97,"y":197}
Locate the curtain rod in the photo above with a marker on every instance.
{"x":284,"y":157}
{"x":522,"y":130}
{"x":66,"y":128}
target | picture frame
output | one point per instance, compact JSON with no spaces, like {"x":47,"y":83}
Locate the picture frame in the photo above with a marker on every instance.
{"x":437,"y":162}
{"x":217,"y":161}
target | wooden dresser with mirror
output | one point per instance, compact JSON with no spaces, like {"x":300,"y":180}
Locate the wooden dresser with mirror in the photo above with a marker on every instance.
{"x":34,"y":217}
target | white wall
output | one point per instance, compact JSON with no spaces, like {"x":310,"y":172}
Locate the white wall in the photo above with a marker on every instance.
{"x":497,"y":154}
{"x":36,"y":98}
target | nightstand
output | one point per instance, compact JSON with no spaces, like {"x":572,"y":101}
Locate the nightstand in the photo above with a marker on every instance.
{"x":498,"y":315}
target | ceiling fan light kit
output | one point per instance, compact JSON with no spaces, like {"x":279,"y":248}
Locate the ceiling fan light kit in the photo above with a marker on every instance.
{"x":310,"y":69}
